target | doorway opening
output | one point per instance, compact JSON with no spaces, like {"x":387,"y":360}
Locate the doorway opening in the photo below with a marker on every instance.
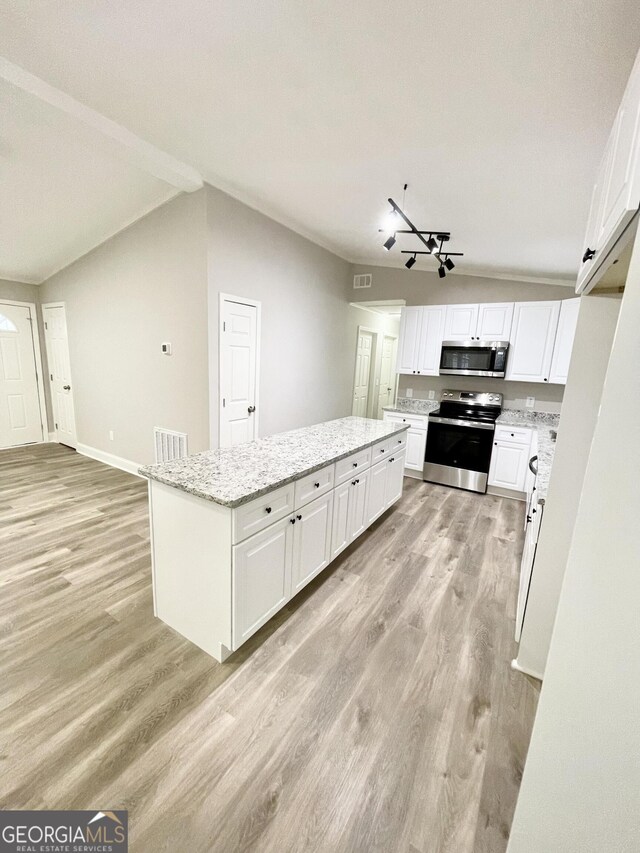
{"x":375,"y":379}
{"x":57,"y":343}
{"x":23,"y":414}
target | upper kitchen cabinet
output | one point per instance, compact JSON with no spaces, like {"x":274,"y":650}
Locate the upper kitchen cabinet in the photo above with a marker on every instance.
{"x":460,"y":322}
{"x":409,"y":339}
{"x":421,"y":329}
{"x":486,"y":322}
{"x":616,"y":194}
{"x":564,"y":341}
{"x":532,"y":337}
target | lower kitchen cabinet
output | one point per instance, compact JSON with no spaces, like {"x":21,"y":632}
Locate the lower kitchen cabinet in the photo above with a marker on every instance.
{"x":394,"y":479}
{"x":262,"y":578}
{"x":508,"y":468}
{"x":385,"y":485}
{"x":311,"y":541}
{"x":349,"y":512}
{"x":533,"y":521}
{"x":416,"y":438}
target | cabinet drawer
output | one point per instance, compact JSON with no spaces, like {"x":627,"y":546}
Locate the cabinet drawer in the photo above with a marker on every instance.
{"x":514,"y":435}
{"x":348,"y":466}
{"x":415,"y":421}
{"x":261,"y":512}
{"x":388,"y":445}
{"x":313,"y":485}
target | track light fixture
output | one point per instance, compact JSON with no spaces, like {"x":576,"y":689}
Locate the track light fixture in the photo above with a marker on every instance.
{"x":432,"y":240}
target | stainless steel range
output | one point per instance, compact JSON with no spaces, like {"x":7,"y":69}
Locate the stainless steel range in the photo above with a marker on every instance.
{"x":460,"y":439}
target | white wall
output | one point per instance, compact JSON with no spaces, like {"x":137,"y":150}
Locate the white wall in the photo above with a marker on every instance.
{"x":146,"y":285}
{"x":306,"y":361}
{"x":18,"y":291}
{"x":581,"y":781}
{"x":594,"y":336}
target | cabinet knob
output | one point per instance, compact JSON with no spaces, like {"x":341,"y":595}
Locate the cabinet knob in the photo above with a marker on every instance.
{"x":267,"y":509}
{"x":513,"y":435}
{"x":589,"y":253}
{"x":299,"y":517}
{"x":292,"y":520}
{"x":495,"y":443}
{"x":355,"y":464}
{"x":392,"y":459}
{"x":382,"y":450}
{"x":546,"y":380}
{"x":528,"y":519}
{"x":353,"y":482}
{"x":251,"y":409}
{"x":316,"y":485}
{"x":399,"y":441}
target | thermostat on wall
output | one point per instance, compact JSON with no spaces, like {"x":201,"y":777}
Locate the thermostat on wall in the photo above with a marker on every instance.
{"x":166,"y":349}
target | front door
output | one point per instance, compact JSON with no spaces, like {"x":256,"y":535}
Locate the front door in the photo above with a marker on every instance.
{"x":55,"y":335}
{"x":21,"y":420}
{"x":387,"y":378}
{"x":238,"y":372}
{"x":363,"y":372}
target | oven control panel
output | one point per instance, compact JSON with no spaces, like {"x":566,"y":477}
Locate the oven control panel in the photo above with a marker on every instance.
{"x":473,"y":398}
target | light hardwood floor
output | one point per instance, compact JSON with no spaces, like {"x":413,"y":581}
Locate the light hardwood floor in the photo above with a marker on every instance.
{"x":377,"y":712}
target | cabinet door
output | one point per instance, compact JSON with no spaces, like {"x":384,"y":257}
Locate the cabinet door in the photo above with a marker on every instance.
{"x":622,"y":185}
{"x":431,"y":336}
{"x":394,"y":482}
{"x":494,"y":321}
{"x":357,"y":523}
{"x":564,"y":341}
{"x":508,"y":467}
{"x":261,"y":578}
{"x":588,"y":264}
{"x":409,"y":339}
{"x":311,"y":541}
{"x":340,"y":526}
{"x":416,"y":444}
{"x":460,"y":323}
{"x":532,"y":337}
{"x":376,"y":493}
{"x":526,"y":565}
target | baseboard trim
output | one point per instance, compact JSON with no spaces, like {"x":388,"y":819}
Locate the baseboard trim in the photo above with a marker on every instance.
{"x":53,"y":438}
{"x":515,"y":665}
{"x":110,"y":459}
{"x":499,"y":492}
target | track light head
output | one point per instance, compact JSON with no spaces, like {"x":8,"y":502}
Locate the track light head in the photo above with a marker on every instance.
{"x":389,"y":242}
{"x":410,"y":262}
{"x":449,"y":264}
{"x":442,"y":271}
{"x":431,"y":244}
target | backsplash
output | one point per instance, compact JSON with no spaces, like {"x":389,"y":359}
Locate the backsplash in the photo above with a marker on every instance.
{"x":548,"y":398}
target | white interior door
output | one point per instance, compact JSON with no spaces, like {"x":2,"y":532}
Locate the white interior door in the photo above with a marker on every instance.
{"x":21,"y":418}
{"x":363,"y":373}
{"x":239,"y":341}
{"x":57,"y":341}
{"x":387,"y":372}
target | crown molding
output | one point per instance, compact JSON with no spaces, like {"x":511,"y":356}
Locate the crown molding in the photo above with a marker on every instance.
{"x":139,"y":152}
{"x":13,"y":280}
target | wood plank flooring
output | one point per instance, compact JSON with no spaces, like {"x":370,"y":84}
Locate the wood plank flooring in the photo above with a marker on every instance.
{"x":377,"y":712}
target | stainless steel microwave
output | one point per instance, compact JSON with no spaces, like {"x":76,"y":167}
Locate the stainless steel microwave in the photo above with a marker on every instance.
{"x":474,"y":358}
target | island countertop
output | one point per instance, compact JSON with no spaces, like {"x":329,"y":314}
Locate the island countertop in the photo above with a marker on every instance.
{"x":234,"y":475}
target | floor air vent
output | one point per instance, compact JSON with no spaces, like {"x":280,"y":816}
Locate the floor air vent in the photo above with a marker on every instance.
{"x":169,"y":444}
{"x":361,"y":281}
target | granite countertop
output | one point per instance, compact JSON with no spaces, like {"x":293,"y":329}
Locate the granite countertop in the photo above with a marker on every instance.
{"x":544,"y":423}
{"x":234,"y":475}
{"x":412,"y":406}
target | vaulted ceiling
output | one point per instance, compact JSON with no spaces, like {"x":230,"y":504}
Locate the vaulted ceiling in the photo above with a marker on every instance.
{"x":495,"y":114}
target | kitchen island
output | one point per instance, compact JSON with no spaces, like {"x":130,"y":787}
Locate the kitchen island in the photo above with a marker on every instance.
{"x":237,"y":532}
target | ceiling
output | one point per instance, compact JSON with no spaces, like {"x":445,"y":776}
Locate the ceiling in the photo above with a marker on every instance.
{"x":495,"y":114}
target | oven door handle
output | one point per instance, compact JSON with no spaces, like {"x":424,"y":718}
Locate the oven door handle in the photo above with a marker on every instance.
{"x":531,"y":468}
{"x":456,"y":422}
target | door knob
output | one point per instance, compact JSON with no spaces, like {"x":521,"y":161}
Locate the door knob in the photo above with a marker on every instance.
{"x":251,"y":409}
{"x":66,"y":387}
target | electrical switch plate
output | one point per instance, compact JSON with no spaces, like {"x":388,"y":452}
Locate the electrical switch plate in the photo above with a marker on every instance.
{"x":432,"y":394}
{"x":166,"y":349}
{"x":531,"y":401}
{"x":408,"y":392}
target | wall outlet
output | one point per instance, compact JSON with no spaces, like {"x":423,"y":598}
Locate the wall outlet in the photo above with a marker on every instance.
{"x":432,"y":394}
{"x":110,"y":435}
{"x":531,"y":401}
{"x":166,"y":349}
{"x":408,"y":392}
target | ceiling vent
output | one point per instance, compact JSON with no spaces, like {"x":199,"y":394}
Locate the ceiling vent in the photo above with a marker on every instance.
{"x":362,"y":281}
{"x":169,"y":444}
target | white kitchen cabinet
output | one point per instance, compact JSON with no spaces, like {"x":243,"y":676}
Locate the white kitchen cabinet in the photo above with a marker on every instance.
{"x":532,"y":338}
{"x":311,"y":541}
{"x":563,"y":344}
{"x":349,"y":512}
{"x":416,"y":437}
{"x":394,"y":480}
{"x":340,"y":526}
{"x":510,"y":458}
{"x":616,"y":195}
{"x":532,"y":528}
{"x":262,"y":578}
{"x":461,"y":322}
{"x":409,"y":339}
{"x":494,"y":321}
{"x":376,"y":497}
{"x":431,"y":336}
{"x":357,"y":518}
